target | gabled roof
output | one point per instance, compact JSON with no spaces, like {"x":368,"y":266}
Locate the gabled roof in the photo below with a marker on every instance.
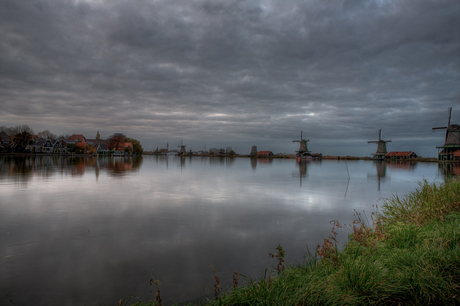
{"x":401,"y":153}
{"x":63,"y":140}
{"x":264,"y":153}
{"x":49,"y":143}
{"x":57,"y":144}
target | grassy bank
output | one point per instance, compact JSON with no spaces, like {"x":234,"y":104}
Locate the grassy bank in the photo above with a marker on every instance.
{"x":408,"y":255}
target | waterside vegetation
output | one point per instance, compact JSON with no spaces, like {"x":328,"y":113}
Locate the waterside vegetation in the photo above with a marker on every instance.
{"x":408,"y":253}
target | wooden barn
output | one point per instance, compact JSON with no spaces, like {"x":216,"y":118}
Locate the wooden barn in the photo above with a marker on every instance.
{"x":401,"y":155}
{"x":264,"y":154}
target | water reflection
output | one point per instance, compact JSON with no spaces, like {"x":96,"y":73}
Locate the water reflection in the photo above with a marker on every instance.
{"x":253,"y":163}
{"x":402,"y":165}
{"x":449,"y":169}
{"x":381,"y":169}
{"x":222,"y":161}
{"x":19,"y":168}
{"x":302,"y":173}
{"x":175,"y":216}
{"x":260,"y":161}
{"x":23,"y":168}
{"x":187,"y":161}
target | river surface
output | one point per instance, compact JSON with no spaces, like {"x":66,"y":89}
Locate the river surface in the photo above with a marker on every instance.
{"x":90,"y":231}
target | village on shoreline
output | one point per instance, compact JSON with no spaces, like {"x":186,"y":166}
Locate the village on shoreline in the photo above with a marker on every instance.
{"x":22,"y":140}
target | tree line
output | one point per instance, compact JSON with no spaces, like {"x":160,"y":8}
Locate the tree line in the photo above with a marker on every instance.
{"x":20,"y":136}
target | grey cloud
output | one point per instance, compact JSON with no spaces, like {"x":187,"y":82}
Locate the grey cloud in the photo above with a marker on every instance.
{"x":235,"y":71}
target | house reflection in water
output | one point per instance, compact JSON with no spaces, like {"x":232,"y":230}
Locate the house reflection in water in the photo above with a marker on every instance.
{"x":449,"y":169}
{"x":114,"y":166}
{"x":261,"y":161}
{"x":381,"y":167}
{"x":402,"y":165}
{"x":26,"y":166}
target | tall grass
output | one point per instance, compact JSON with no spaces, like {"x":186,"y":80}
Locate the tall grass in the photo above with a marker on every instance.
{"x":429,"y":202}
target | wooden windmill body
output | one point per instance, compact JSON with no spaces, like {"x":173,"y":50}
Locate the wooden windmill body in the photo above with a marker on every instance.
{"x":381,"y":147}
{"x":182,"y":148}
{"x":303,"y":149}
{"x":451,"y":148}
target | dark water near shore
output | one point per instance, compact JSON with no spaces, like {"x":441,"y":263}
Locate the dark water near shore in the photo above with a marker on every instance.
{"x":88,"y":231}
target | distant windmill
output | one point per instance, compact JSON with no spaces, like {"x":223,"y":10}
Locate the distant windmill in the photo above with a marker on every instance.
{"x":452,"y":139}
{"x":303,"y":144}
{"x":182,"y":148}
{"x":381,"y":147}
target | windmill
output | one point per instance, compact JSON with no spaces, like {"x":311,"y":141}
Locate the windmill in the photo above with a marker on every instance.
{"x":182,"y":148}
{"x":381,"y":147}
{"x":452,"y":139}
{"x":303,"y":145}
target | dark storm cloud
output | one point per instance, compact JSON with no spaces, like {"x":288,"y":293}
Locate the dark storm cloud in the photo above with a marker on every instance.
{"x":233,"y":73}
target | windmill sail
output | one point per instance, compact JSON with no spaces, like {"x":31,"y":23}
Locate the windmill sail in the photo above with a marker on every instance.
{"x":381,"y":147}
{"x":303,"y":144}
{"x":452,"y":131}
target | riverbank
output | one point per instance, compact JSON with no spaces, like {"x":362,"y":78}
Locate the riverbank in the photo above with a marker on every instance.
{"x":275,"y":156}
{"x":408,"y":254}
{"x":325,"y":157}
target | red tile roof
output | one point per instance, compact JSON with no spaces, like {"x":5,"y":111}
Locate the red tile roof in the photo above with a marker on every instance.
{"x":76,"y":137}
{"x":264,"y":152}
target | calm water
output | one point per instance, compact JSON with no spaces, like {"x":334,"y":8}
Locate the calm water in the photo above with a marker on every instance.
{"x":77,"y":231}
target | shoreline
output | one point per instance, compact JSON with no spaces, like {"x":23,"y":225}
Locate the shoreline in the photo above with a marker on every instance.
{"x":327,"y":157}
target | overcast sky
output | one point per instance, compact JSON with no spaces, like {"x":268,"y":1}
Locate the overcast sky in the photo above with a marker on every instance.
{"x":234,"y":73}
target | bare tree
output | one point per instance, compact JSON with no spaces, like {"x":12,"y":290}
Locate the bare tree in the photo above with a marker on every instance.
{"x":21,"y":136}
{"x":8,"y":130}
{"x":64,"y":136}
{"x":46,"y":134}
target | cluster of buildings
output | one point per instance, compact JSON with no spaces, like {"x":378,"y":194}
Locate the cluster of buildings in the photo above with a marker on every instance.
{"x":76,"y":143}
{"x":450,"y":151}
{"x":115,"y":145}
{"x":382,"y":153}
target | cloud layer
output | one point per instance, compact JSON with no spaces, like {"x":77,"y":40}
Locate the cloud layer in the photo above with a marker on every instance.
{"x":234,"y":73}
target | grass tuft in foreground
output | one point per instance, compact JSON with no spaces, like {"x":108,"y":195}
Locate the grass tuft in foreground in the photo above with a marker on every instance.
{"x":410,"y":255}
